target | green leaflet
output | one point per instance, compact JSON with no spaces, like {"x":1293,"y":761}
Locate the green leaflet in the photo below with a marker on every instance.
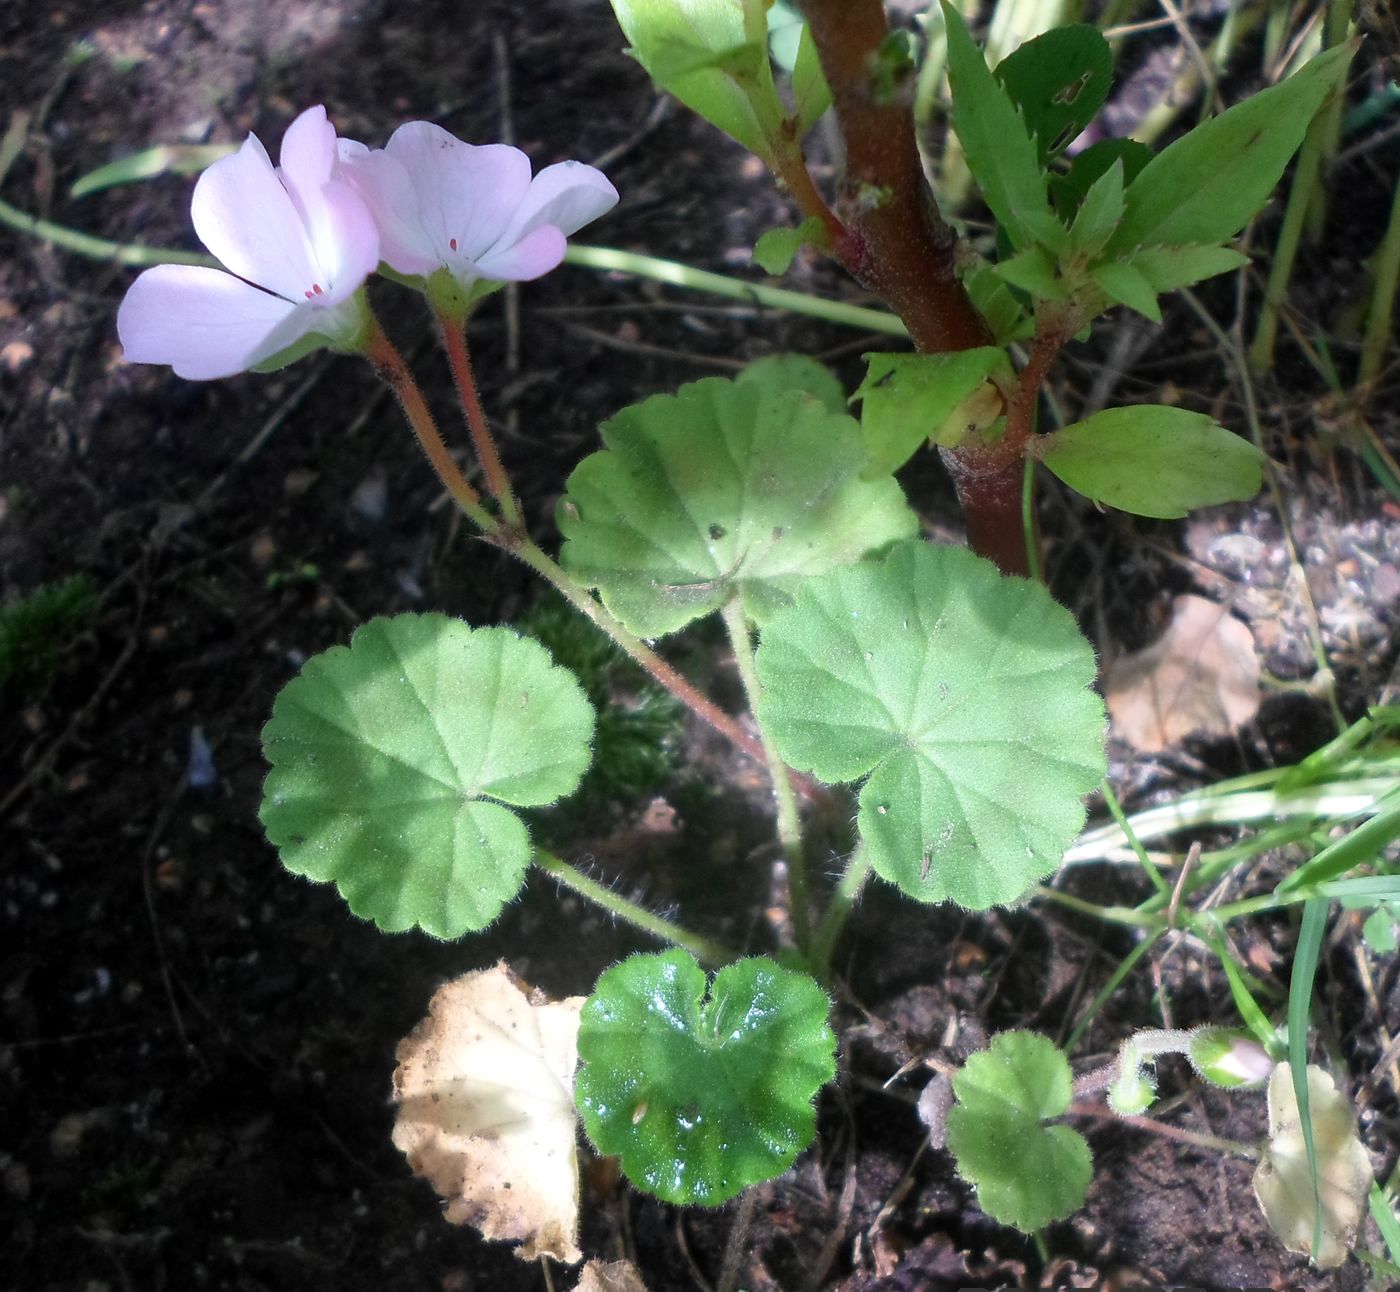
{"x":962,"y":695}
{"x":1153,"y":461}
{"x":393,"y":760}
{"x":1205,"y":187}
{"x":1059,"y":80}
{"x":747,"y":486}
{"x":702,"y":1095}
{"x":1026,"y":1173}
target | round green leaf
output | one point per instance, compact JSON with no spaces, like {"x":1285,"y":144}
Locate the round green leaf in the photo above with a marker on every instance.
{"x":749,"y":485}
{"x":702,"y":1097}
{"x":1026,"y":1173}
{"x":1152,"y":460}
{"x":391,"y":758}
{"x":963,"y":695}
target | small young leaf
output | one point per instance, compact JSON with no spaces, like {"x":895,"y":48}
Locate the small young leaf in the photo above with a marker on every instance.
{"x":997,"y":303}
{"x":907,"y":399}
{"x":810,"y":92}
{"x":1099,"y":212}
{"x":707,"y":56}
{"x":964,"y":696}
{"x":1153,"y":461}
{"x":748,"y":485}
{"x":1205,"y":187}
{"x":1167,"y":268}
{"x":1059,"y":80}
{"x":1124,"y":284}
{"x":484,"y":1089}
{"x":775,"y":249}
{"x":1033,"y":271}
{"x":1070,"y":189}
{"x":702,"y":1097}
{"x":392,"y":758}
{"x":1026,"y":1173}
{"x":999,"y":149}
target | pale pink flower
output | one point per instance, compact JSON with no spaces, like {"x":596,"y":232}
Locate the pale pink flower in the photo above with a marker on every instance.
{"x":472,"y":210}
{"x":297,"y":241}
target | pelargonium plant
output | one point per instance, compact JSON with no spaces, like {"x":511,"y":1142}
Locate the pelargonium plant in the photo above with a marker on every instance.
{"x":948,"y":691}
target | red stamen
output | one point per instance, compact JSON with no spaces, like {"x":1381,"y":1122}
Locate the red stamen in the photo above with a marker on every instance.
{"x":452,"y":242}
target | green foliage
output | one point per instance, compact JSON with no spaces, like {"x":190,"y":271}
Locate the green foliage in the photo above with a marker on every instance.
{"x":35,"y":628}
{"x":713,"y":56}
{"x":702,"y":1096}
{"x":908,"y":399}
{"x":1153,"y":461}
{"x":775,"y":249}
{"x":1205,"y":187}
{"x":635,"y":744}
{"x":1026,"y":1173}
{"x":747,"y":486}
{"x":1000,"y":149}
{"x":392,"y":759}
{"x":1059,"y":81}
{"x":963,"y":696}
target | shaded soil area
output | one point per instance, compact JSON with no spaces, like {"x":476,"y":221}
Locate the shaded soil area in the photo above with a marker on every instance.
{"x":196,"y":1048}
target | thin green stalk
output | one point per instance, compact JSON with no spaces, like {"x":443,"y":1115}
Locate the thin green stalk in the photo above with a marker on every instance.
{"x":1115,"y":809}
{"x":1115,"y":980}
{"x":701,"y":280}
{"x":1329,"y":120}
{"x":702,"y":948}
{"x":657,"y":668}
{"x":789,"y":823}
{"x":1112,"y":914}
{"x":857,"y":871}
{"x":1290,"y":234}
{"x":1385,"y":276}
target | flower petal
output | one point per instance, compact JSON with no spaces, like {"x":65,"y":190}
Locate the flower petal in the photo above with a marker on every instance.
{"x":384,"y":184}
{"x":245,"y":216}
{"x":346,"y":241}
{"x":567,"y":195}
{"x":467,"y":195}
{"x":202,"y":322}
{"x":536,"y":253}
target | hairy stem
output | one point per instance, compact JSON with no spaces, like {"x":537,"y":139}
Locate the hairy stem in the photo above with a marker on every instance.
{"x":702,"y":948}
{"x":842,"y":901}
{"x":454,"y":342}
{"x":389,"y":364}
{"x":789,"y":824}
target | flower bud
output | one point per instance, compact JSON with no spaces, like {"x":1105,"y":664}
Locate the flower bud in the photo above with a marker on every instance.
{"x":1229,"y":1058}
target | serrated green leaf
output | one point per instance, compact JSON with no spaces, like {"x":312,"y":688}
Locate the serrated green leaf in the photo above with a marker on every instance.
{"x":997,"y":304}
{"x":775,"y":249}
{"x":747,"y":486}
{"x":1153,"y":461}
{"x":707,"y":54}
{"x":963,"y":695}
{"x":1048,"y":230}
{"x":702,"y":1097}
{"x":1099,"y":212}
{"x":1033,"y":271}
{"x":1070,"y":188}
{"x":1059,"y":80}
{"x":1026,"y":1173}
{"x":796,"y":374}
{"x":908,"y":399}
{"x":999,"y":149}
{"x":1205,"y":187}
{"x":810,"y":92}
{"x":1124,"y":284}
{"x":392,"y":757}
{"x":1168,"y":268}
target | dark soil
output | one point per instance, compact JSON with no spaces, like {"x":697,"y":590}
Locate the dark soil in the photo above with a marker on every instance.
{"x":195,"y":1047}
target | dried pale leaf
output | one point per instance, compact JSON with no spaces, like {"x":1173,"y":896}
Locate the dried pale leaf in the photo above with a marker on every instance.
{"x":935,"y":1100}
{"x":1283,"y":1181}
{"x":610,"y":1276}
{"x":486,"y":1110}
{"x":1202,"y":675}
